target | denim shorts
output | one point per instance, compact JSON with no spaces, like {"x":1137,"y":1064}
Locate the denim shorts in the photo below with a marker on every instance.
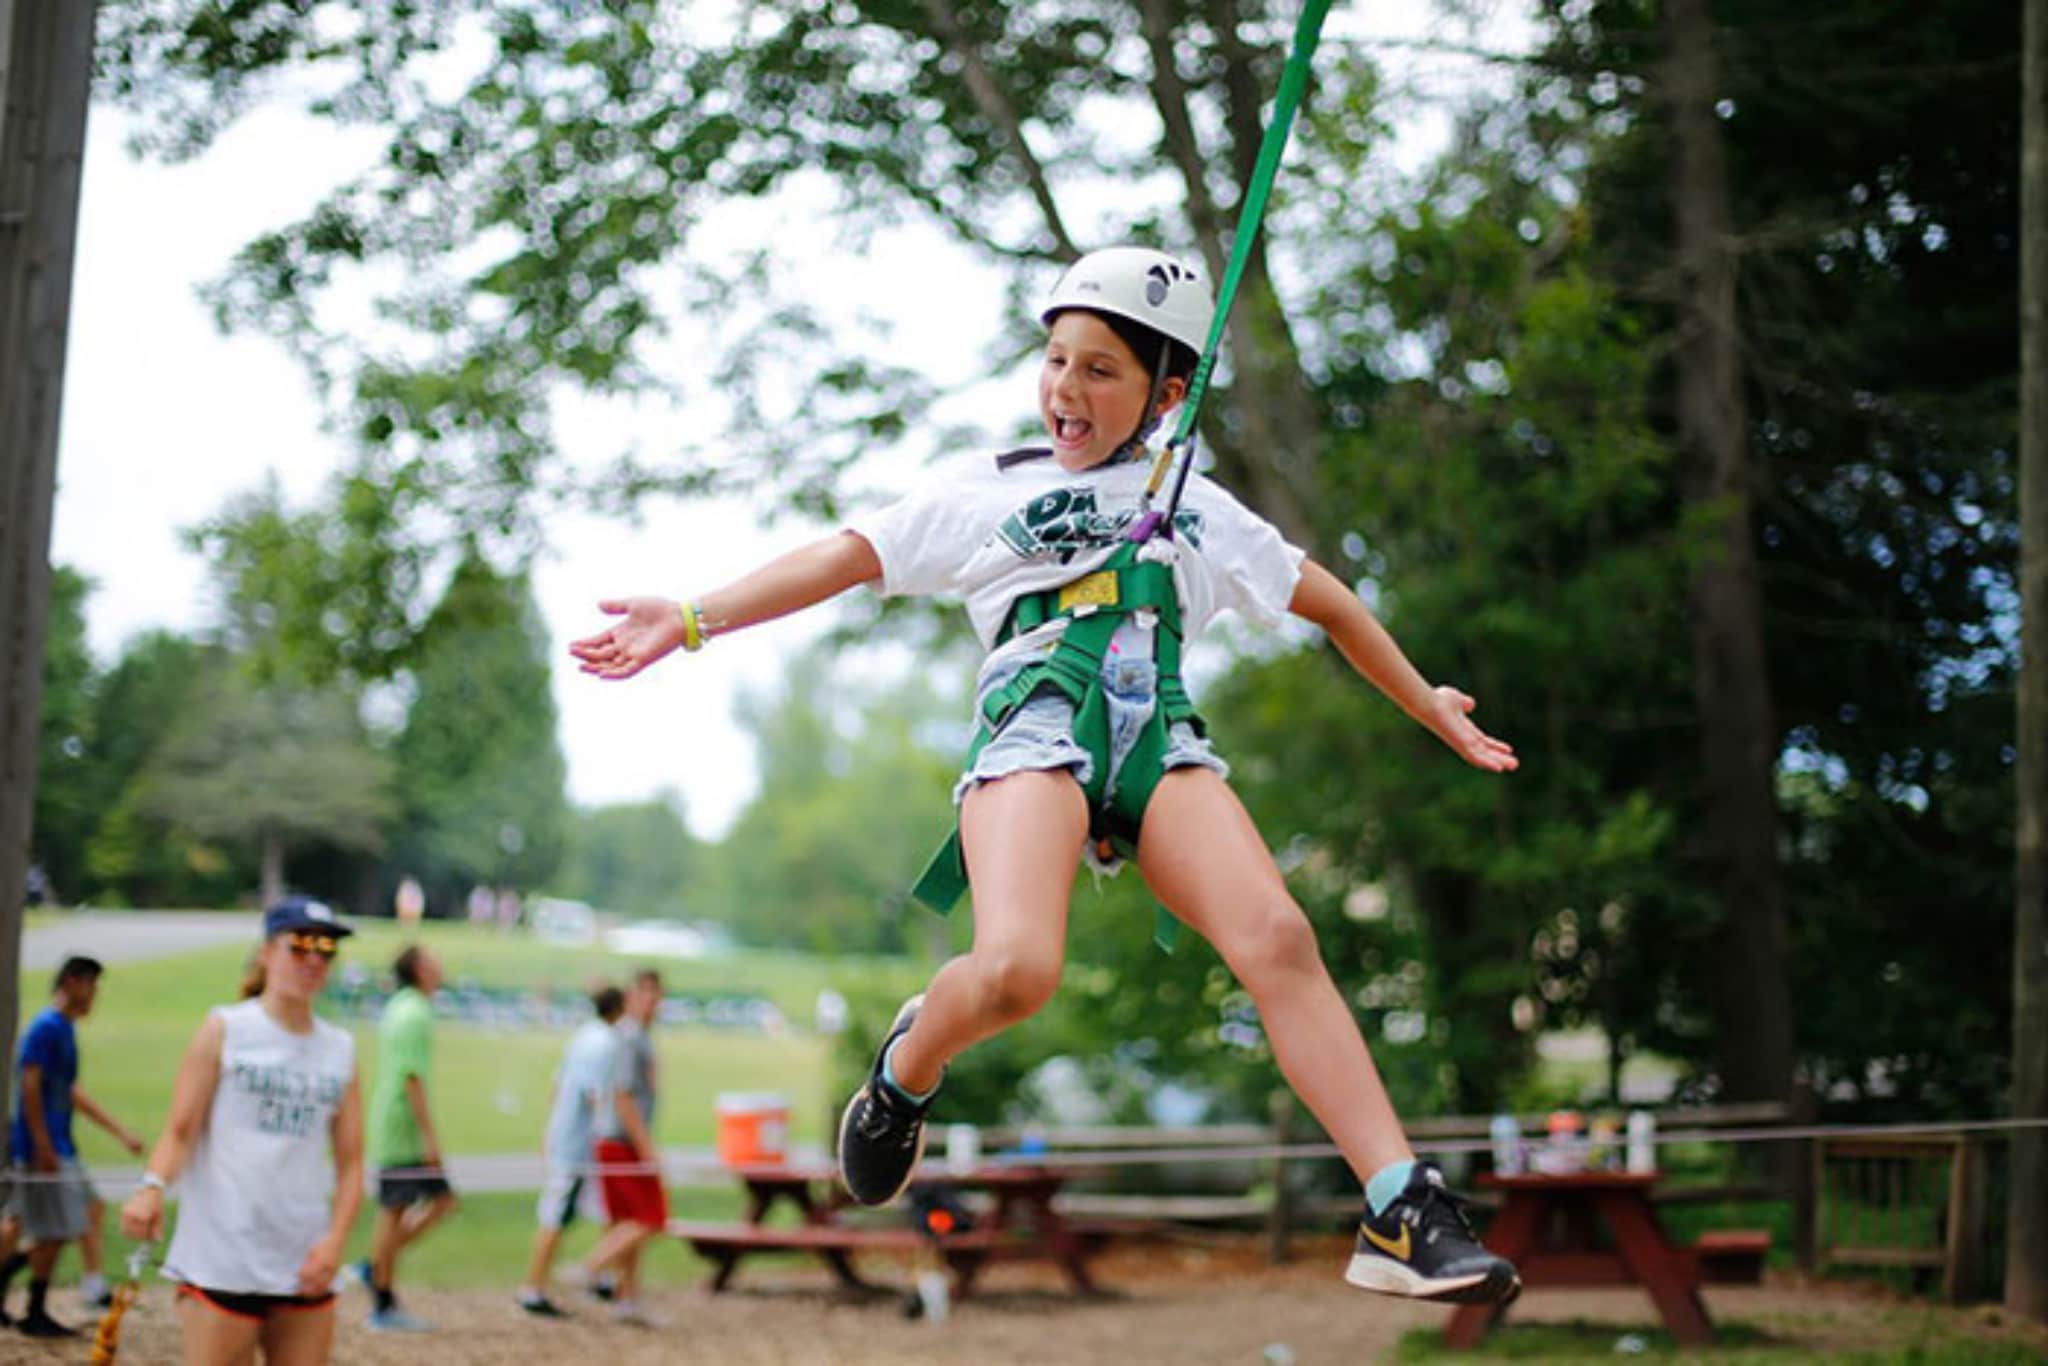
{"x":1040,"y":735}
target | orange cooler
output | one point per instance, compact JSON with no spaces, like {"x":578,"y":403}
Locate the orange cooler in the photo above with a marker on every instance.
{"x":753,"y":1126}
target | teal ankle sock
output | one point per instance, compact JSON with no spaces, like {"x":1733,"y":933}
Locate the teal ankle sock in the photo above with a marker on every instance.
{"x":889,"y":1078}
{"x":1387,"y":1184}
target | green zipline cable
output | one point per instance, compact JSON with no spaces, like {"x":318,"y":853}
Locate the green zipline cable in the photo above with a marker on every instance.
{"x":1293,"y":78}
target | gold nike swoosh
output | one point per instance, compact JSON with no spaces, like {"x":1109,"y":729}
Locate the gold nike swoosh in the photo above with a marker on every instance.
{"x":1398,"y":1248}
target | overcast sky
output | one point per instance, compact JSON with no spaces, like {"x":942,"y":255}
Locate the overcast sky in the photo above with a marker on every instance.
{"x":165,"y":419}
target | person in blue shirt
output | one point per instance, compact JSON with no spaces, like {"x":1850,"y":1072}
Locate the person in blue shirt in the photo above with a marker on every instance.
{"x":55,"y":1198}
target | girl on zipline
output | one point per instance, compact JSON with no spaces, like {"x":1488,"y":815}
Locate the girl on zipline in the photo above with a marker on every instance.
{"x":1088,"y":745}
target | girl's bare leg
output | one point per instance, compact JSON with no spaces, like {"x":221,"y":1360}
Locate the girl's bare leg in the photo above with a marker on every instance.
{"x":214,"y":1337}
{"x":1203,"y":858}
{"x":1023,"y":836}
{"x":299,"y":1337}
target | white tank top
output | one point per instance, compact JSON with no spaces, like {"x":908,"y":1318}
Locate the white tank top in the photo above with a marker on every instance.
{"x":259,"y":1189}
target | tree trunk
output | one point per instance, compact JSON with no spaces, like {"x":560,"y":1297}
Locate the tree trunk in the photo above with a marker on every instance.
{"x":1269,"y":439}
{"x":273,"y":866}
{"x":48,"y":72}
{"x":1749,"y":990}
{"x":2026,"y":1243}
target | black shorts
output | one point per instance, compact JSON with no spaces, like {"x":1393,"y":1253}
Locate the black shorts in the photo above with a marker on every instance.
{"x":257,"y":1307}
{"x":403,"y":1190}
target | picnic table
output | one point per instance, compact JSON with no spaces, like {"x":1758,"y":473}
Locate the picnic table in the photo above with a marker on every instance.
{"x":1548,"y":1226}
{"x":1023,"y":1223}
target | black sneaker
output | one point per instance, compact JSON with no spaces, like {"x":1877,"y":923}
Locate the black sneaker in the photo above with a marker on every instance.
{"x":43,"y":1326}
{"x":881,"y":1135}
{"x":1423,"y":1247}
{"x":541,"y":1307}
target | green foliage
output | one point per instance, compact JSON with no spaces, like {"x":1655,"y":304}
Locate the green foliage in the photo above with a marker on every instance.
{"x":1490,"y":459}
{"x":321,"y":594}
{"x":67,"y":793}
{"x":483,"y":769}
{"x":559,"y":186}
{"x":1505,"y":506}
{"x":1896,"y":1338}
{"x":637,"y":858}
{"x":493,"y":1083}
{"x":249,"y":764}
{"x":854,"y":797}
{"x":131,"y":857}
{"x":1875,"y":194}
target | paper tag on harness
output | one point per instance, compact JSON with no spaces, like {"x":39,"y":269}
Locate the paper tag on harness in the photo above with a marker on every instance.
{"x":1097,"y":590}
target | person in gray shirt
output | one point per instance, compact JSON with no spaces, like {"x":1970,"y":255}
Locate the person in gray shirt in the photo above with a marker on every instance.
{"x":628,"y":1156}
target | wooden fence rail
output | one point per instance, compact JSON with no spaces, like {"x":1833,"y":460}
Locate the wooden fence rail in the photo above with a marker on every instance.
{"x":1915,"y":1201}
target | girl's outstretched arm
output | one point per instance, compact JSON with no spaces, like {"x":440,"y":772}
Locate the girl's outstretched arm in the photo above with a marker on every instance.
{"x":650,"y":628}
{"x":1321,"y":598}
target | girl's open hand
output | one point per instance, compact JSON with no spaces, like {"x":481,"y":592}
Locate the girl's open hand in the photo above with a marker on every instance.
{"x":1449,"y":716}
{"x":649,"y":629}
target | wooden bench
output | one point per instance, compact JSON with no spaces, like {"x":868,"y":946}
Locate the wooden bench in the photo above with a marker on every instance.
{"x":965,"y":1252}
{"x":1732,"y":1256}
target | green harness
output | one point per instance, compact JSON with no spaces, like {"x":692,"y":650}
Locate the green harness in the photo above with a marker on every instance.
{"x":1094,"y":607}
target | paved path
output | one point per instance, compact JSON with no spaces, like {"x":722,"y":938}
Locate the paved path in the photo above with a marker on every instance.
{"x":131,"y":936}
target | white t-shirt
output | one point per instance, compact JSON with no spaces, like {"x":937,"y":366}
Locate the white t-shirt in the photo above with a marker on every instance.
{"x":989,"y":536}
{"x":584,"y":1084}
{"x":259,"y":1189}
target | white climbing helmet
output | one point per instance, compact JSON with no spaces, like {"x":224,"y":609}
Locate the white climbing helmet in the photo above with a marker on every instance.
{"x":1146,"y":286}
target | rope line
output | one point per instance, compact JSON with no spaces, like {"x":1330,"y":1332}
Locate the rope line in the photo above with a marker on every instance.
{"x":1180,"y":449}
{"x":1112,"y":1157}
{"x":530,"y":1173}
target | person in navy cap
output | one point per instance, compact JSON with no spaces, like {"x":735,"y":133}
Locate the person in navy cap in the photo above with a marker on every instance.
{"x":266,"y":1095}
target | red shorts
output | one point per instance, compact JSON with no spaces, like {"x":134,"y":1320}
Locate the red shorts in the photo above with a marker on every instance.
{"x":629,"y":1197}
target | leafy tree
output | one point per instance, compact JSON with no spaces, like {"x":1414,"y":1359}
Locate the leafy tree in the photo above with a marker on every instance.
{"x":271,"y":768}
{"x":853,"y":798}
{"x":2026,"y":1244}
{"x":481,"y":767}
{"x":635,"y":857}
{"x":1491,"y":391}
{"x":132,"y":856}
{"x":68,"y":794}
{"x":323,"y":594}
{"x":547,"y":203}
{"x":1871,"y":162}
{"x":1480,"y":365}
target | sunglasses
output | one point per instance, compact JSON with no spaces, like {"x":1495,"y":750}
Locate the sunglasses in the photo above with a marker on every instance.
{"x":319,"y":945}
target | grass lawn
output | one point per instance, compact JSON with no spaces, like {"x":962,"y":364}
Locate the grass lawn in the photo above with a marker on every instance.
{"x":1917,"y":1338}
{"x":490,"y":1087}
{"x":486,"y":1242}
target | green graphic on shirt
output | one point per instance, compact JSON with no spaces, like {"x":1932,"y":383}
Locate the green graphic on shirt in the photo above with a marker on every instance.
{"x":1063,"y":523}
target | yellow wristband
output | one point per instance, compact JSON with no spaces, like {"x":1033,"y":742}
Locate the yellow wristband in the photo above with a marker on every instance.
{"x":693,"y":626}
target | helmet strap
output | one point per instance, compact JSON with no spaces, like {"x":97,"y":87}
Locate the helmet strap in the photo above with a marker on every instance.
{"x":1135,"y":447}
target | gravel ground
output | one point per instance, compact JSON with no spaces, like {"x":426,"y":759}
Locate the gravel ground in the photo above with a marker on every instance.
{"x":1180,"y":1304}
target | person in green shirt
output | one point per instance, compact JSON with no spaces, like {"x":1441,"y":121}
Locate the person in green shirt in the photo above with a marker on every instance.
{"x":413,"y":1193}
